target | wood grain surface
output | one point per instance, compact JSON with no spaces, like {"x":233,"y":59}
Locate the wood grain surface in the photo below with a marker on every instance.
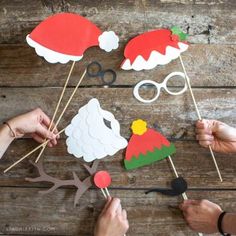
{"x":28,"y":81}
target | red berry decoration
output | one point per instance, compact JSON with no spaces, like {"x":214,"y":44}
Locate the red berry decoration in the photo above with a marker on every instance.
{"x":175,"y":37}
{"x":102,"y":179}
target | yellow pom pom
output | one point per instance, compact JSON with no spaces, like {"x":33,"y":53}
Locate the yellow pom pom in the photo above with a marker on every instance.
{"x":139,"y":127}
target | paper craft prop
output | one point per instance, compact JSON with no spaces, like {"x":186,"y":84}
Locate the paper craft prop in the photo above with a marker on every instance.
{"x":102,"y":180}
{"x":146,"y":146}
{"x":159,"y":47}
{"x":65,"y":37}
{"x":178,"y":187}
{"x":158,"y":87}
{"x":90,"y":137}
{"x":94,"y":69}
{"x":81,"y":185}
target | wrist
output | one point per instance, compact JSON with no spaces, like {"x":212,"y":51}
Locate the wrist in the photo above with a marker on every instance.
{"x":16,"y":131}
{"x":228,"y":223}
{"x":223,"y":224}
{"x":6,"y":134}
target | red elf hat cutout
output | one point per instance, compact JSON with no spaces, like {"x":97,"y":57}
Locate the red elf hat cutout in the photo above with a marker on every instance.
{"x":146,"y":146}
{"x":157,"y":47}
{"x":66,"y":36}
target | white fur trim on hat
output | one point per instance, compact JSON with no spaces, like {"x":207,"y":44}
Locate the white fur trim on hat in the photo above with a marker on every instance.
{"x":50,"y":55}
{"x":108,"y":41}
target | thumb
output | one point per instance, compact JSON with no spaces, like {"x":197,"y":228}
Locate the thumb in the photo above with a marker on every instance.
{"x":186,"y":203}
{"x":224,"y":131}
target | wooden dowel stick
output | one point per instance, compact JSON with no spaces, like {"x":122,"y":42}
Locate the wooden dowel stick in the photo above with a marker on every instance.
{"x":103,"y":192}
{"x":107,"y":192}
{"x":25,"y":156}
{"x":199,"y":115}
{"x":57,"y":107}
{"x":184,"y":195}
{"x":67,"y":104}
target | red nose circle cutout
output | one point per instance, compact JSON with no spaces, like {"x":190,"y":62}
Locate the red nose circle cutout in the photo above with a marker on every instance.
{"x":102,"y":179}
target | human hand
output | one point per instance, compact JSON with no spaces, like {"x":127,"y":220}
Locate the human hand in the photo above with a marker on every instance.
{"x":220,"y":136}
{"x":113,"y":220}
{"x":201,"y":216}
{"x":35,"y":123}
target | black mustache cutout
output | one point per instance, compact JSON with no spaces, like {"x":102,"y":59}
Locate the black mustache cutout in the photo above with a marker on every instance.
{"x":178,"y":186}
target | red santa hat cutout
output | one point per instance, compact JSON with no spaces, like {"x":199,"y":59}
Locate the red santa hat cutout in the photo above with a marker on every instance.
{"x":157,"y":47}
{"x":65,"y":37}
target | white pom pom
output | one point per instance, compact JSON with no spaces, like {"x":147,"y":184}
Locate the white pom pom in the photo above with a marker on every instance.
{"x":108,"y":41}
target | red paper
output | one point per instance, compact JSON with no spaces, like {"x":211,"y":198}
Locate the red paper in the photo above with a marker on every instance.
{"x":66,"y":33}
{"x":141,"y":144}
{"x":147,"y":50}
{"x":102,"y":179}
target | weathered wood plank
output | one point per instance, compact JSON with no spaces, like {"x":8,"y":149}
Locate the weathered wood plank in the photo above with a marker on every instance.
{"x":174,"y":114}
{"x":206,"y":22}
{"x":25,"y":212}
{"x":207,"y":65}
{"x":192,"y":162}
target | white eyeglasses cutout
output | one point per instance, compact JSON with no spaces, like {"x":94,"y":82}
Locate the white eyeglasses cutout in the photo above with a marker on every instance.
{"x":158,"y":87}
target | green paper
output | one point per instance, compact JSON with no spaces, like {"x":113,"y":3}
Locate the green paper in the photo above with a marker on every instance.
{"x":150,"y":157}
{"x":177,"y":31}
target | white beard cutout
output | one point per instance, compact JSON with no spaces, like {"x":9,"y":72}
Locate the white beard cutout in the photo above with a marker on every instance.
{"x":88,"y":135}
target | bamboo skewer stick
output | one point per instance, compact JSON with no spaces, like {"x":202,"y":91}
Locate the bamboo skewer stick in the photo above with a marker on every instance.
{"x":28,"y":154}
{"x":67,"y":104}
{"x":199,"y":115}
{"x":184,"y":195}
{"x":57,"y":107}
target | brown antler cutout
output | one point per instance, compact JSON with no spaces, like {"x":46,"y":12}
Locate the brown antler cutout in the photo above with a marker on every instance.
{"x":82,"y":186}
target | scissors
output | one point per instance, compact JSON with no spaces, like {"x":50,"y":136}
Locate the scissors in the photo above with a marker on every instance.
{"x":94,"y":69}
{"x":159,"y":86}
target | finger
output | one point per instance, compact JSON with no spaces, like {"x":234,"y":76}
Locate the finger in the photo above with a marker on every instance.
{"x":44,"y":119}
{"x":114,"y":205}
{"x":39,"y":139}
{"x":107,"y":205}
{"x":124,"y":214}
{"x":53,"y":142}
{"x":203,"y":131}
{"x":119,"y":210}
{"x":200,"y":124}
{"x":183,"y":206}
{"x":43,"y":132}
{"x":204,"y":137}
{"x":205,"y":143}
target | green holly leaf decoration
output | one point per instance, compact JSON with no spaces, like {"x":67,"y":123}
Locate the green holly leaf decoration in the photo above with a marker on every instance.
{"x":177,"y":31}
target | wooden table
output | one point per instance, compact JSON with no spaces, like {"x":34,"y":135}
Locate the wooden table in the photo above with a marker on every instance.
{"x":28,"y":81}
